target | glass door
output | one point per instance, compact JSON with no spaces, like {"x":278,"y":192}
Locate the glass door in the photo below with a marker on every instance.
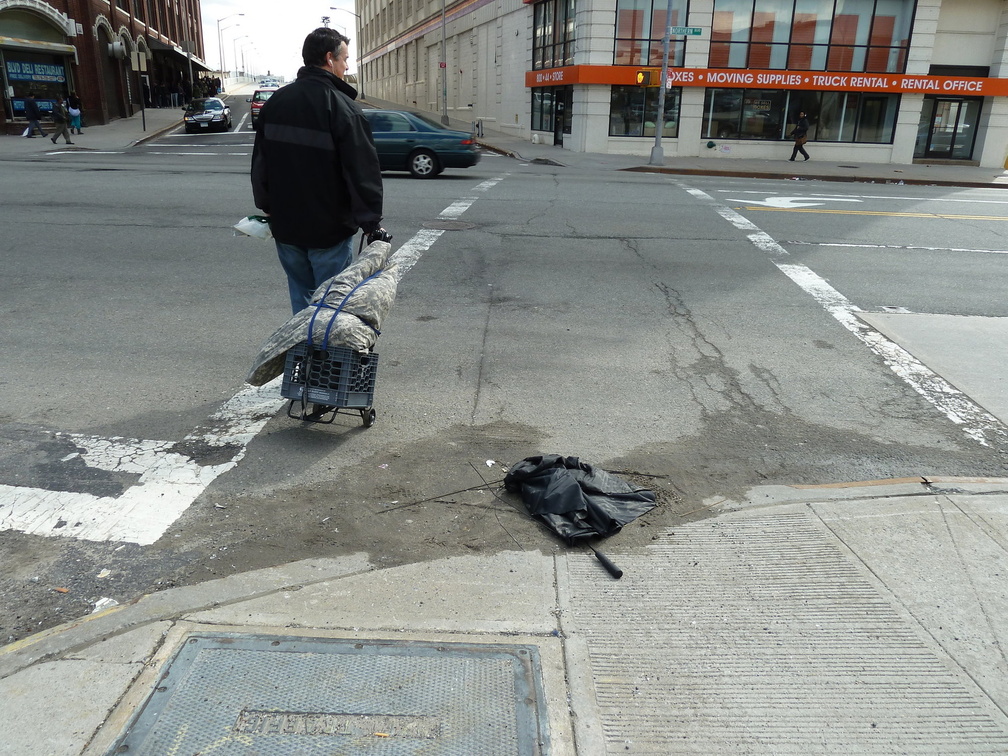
{"x":947,"y":128}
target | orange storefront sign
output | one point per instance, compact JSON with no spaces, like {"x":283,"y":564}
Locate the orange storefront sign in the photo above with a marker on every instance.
{"x":772,"y":79}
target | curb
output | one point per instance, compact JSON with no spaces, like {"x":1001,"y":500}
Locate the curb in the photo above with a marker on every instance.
{"x":154,"y":134}
{"x":811,"y":177}
{"x":173,"y":604}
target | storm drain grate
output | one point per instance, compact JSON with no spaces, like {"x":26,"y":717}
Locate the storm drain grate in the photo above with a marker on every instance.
{"x":230,"y":694}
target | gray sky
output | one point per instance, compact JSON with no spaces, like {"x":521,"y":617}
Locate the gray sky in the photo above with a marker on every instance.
{"x":271,"y":32}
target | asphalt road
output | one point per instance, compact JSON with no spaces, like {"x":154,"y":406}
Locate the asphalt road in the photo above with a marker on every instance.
{"x":698,"y":335}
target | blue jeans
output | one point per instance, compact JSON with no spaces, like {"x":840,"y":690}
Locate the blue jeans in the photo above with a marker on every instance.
{"x":307,"y":269}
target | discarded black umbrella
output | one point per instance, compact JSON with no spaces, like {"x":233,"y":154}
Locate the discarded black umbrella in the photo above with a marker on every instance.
{"x":576,"y":500}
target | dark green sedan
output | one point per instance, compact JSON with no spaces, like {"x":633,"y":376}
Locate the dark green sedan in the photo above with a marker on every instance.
{"x":408,"y":141}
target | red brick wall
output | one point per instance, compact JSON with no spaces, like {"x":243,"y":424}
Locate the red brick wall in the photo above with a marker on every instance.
{"x":87,"y":76}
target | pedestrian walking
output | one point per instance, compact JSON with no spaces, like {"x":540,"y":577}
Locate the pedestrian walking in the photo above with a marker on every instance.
{"x":76,"y":109}
{"x":800,"y":135}
{"x":61,"y":121}
{"x":34,"y":116}
{"x":315,"y":169}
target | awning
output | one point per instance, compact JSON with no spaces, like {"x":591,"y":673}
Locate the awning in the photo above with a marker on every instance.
{"x":36,"y":46}
{"x":157,"y":46}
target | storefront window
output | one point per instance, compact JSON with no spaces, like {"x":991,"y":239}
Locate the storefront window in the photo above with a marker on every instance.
{"x":772,"y":113}
{"x":834,"y":35}
{"x":550,"y":103}
{"x":633,"y":111}
{"x":45,"y":75}
{"x":553,"y":34}
{"x":640,"y":32}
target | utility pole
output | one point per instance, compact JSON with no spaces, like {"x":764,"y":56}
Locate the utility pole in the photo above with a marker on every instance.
{"x":444,"y":69}
{"x":657,"y":153}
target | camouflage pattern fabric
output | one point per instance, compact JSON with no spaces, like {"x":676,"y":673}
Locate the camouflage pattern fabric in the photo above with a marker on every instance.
{"x":357,"y":324}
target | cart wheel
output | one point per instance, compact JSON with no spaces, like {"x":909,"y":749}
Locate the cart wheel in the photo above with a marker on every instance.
{"x":368,"y":416}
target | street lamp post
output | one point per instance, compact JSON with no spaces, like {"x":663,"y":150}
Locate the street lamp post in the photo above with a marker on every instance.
{"x":235,"y":43}
{"x":220,"y":41}
{"x":360,"y":63}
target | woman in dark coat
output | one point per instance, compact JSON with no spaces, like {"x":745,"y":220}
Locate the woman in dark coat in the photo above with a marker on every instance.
{"x":800,"y":134}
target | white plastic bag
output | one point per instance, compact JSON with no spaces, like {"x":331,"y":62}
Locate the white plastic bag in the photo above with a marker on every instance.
{"x":26,"y":132}
{"x":254,"y":225}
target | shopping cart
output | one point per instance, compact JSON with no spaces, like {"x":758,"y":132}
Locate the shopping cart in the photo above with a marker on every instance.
{"x":333,"y":378}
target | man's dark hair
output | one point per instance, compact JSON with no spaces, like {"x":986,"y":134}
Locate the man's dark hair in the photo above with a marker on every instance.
{"x":321,"y":41}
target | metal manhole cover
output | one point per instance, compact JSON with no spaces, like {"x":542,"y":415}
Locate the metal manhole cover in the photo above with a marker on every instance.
{"x":448,"y":225}
{"x":235,"y":694}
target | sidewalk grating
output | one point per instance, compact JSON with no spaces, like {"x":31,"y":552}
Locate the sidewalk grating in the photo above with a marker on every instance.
{"x":230,"y":694}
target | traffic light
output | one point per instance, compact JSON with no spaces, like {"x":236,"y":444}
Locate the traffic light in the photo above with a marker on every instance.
{"x":647,"y":77}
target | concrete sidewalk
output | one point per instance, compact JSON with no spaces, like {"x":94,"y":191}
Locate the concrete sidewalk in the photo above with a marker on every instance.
{"x":868,"y":619}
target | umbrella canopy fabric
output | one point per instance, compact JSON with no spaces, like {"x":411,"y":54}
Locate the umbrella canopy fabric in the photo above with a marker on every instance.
{"x":575,"y":499}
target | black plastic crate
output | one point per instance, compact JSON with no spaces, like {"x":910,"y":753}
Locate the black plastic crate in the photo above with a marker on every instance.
{"x":336,"y":376}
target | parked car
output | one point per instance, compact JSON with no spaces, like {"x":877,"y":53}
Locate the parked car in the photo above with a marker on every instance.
{"x":207,"y":114}
{"x":257,"y":99}
{"x":408,"y":141}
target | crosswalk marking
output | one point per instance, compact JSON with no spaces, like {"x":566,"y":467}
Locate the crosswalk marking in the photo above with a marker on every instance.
{"x":170,"y":479}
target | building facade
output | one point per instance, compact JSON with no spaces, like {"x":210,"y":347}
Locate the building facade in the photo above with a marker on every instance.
{"x":883,"y":81}
{"x":116,"y":54}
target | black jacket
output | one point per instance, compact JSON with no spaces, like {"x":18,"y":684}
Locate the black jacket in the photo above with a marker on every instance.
{"x":32,"y":110}
{"x":314,"y":165}
{"x":801,"y":129}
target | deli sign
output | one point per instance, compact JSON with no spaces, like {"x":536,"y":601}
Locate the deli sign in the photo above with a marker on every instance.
{"x":775,"y":79}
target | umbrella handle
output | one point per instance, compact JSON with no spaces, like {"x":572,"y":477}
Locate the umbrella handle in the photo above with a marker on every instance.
{"x":611,"y":568}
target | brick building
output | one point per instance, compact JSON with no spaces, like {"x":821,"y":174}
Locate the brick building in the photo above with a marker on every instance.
{"x":90,"y":46}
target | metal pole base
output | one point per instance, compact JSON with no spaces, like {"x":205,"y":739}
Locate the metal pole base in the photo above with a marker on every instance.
{"x":657,"y":156}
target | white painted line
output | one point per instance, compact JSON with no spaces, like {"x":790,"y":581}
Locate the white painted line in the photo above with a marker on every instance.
{"x":904,"y":247}
{"x":241,"y":124}
{"x":488,"y":184}
{"x":200,"y":134}
{"x":976,"y":422}
{"x":456,"y":208}
{"x":201,"y":154}
{"x":409,"y":253}
{"x":876,"y":197}
{"x":211,"y":146}
{"x":86,"y":152}
{"x":169,"y":480}
{"x":793,"y":202}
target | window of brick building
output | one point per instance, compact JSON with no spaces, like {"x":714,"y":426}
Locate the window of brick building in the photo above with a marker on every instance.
{"x":812,"y":35}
